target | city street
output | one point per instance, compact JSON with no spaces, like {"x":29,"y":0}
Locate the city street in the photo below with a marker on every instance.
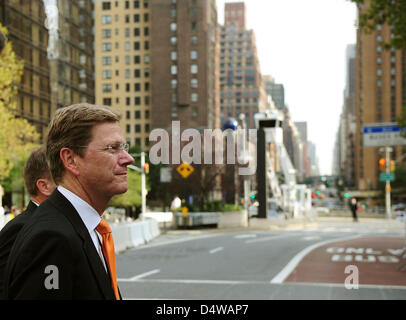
{"x":303,"y":261}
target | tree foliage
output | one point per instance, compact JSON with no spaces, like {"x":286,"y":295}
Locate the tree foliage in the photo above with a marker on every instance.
{"x":133,"y":195}
{"x":392,"y":13}
{"x":17,"y":136}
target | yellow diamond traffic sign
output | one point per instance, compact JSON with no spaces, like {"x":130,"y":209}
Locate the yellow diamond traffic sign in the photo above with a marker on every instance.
{"x":185,"y":169}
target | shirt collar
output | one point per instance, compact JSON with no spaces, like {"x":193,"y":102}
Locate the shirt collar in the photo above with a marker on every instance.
{"x":87,"y":213}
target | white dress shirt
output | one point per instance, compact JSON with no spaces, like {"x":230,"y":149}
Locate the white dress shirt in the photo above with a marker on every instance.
{"x":89,"y":216}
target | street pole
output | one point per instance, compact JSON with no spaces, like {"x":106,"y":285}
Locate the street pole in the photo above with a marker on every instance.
{"x":245,"y":154}
{"x":143,"y":187}
{"x":387,"y":187}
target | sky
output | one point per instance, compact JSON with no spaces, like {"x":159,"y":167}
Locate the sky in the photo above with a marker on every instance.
{"x":302,"y":44}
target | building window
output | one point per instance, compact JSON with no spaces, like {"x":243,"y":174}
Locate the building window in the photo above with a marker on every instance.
{"x":173,"y":55}
{"x":106,"y":5}
{"x":127,"y":46}
{"x":107,"y":74}
{"x":174,"y":83}
{"x":106,"y":46}
{"x":137,"y":128}
{"x":173,"y":13}
{"x":106,"y":33}
{"x":193,"y":54}
{"x":194,"y":83}
{"x":107,"y":101}
{"x":106,"y":19}
{"x":173,"y":41}
{"x":193,"y":40}
{"x":194,"y":97}
{"x":136,"y":18}
{"x":106,"y":61}
{"x":137,"y":114}
{"x":107,"y":87}
{"x":193,"y":68}
{"x":173,"y":26}
{"x":174,"y":69}
{"x":174,"y":112}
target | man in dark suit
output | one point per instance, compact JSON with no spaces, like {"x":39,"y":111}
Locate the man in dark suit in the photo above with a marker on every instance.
{"x":40,"y":185}
{"x":66,"y":252}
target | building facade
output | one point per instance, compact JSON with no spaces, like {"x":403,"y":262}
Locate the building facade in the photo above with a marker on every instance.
{"x":123,"y":64}
{"x":380,"y":94}
{"x":241,"y":84}
{"x":276,"y":90}
{"x":184,"y":57}
{"x":25,"y":21}
{"x":70,"y":53}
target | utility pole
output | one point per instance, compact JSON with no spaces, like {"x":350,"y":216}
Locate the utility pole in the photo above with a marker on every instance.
{"x":143,"y":185}
{"x":387,"y":187}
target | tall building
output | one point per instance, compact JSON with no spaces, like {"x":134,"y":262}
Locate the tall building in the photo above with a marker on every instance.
{"x":276,"y":90}
{"x":344,"y":150}
{"x":184,"y":58}
{"x":380,"y":94}
{"x":25,"y":21}
{"x":123,"y":64}
{"x":70,"y":53}
{"x":241,"y":83}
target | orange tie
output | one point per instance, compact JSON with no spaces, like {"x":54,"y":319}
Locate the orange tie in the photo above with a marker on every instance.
{"x":109,"y":253}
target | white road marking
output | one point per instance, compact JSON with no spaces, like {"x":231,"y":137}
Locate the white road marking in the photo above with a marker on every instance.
{"x":286,"y":271}
{"x":244,"y":236}
{"x":140,"y":276}
{"x":270,"y":238}
{"x":310,"y":238}
{"x":216,"y":250}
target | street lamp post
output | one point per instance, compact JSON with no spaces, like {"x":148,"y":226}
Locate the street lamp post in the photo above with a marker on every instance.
{"x":244,"y":148}
{"x":143,"y":185}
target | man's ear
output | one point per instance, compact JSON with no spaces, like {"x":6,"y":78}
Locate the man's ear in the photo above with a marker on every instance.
{"x":70,"y":160}
{"x":45,"y":186}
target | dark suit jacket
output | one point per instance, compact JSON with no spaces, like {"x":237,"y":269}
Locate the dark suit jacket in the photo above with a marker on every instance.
{"x":8,"y":236}
{"x":54,"y":257}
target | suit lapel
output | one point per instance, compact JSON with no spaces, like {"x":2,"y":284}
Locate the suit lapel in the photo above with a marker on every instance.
{"x":66,"y":208}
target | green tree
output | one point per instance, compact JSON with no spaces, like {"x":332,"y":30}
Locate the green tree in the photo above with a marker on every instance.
{"x":17,"y":136}
{"x":393,"y":13}
{"x":133,"y":195}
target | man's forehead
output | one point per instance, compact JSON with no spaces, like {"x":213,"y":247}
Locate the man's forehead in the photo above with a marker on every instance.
{"x":107,"y":131}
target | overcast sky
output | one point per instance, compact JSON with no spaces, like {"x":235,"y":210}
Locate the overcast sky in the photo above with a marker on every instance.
{"x":302,"y":44}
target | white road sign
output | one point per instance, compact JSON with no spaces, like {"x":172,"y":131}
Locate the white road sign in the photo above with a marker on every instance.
{"x":382,"y":134}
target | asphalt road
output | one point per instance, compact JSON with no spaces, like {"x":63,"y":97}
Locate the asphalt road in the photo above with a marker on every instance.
{"x":330,"y":259}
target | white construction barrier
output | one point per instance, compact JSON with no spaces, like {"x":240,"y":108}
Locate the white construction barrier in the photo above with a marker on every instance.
{"x":130,"y":235}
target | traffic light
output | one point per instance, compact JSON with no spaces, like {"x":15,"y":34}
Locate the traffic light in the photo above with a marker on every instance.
{"x":146,"y":168}
{"x":392,"y":166}
{"x":346,"y":195}
{"x":382,"y":164}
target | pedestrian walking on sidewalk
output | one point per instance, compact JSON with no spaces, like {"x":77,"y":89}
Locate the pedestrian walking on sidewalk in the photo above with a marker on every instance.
{"x":354,"y":209}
